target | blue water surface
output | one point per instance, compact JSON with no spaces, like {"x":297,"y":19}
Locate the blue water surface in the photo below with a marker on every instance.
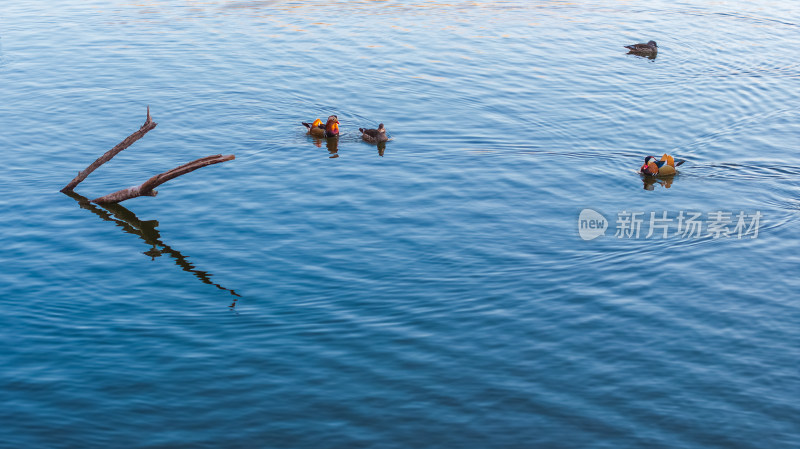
{"x":435,"y":292}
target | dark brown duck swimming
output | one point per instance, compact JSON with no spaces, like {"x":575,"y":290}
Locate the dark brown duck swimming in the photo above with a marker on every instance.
{"x":648,"y":49}
{"x":374,"y":135}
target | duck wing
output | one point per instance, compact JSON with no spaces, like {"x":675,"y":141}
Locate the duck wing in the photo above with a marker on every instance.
{"x":373,"y":133}
{"x":639,"y":47}
{"x":310,"y":125}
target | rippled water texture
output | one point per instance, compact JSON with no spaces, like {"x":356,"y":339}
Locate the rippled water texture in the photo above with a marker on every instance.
{"x":432,"y":293}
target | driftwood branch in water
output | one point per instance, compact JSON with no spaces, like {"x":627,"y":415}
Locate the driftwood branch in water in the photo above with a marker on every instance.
{"x":147,"y":188}
{"x":148,"y":125}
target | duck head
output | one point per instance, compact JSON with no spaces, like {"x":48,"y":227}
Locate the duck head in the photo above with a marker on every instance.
{"x":332,"y":126}
{"x":652,"y":44}
{"x":381,"y":129}
{"x":650,"y":167}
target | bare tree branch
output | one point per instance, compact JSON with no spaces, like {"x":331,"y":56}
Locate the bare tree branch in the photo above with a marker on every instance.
{"x":147,"y":188}
{"x":148,"y":125}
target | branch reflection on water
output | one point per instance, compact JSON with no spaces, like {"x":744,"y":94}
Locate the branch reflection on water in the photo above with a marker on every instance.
{"x":146,"y":230}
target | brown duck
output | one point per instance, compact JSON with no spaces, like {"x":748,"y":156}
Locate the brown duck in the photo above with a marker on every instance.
{"x":648,"y":49}
{"x":374,"y":135}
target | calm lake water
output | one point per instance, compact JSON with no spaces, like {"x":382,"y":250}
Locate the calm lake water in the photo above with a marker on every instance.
{"x":433,"y":293}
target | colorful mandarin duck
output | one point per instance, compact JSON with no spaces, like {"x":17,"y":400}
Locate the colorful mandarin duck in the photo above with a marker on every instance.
{"x":648,"y":49}
{"x":374,"y":135}
{"x":664,"y":167}
{"x":330,"y":129}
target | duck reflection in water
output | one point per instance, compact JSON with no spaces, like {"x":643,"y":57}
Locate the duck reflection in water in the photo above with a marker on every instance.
{"x":331,"y":143}
{"x":651,"y":181}
{"x":333,"y":147}
{"x":146,"y":230}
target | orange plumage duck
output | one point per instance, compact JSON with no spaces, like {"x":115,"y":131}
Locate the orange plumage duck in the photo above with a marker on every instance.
{"x":664,"y":167}
{"x":329,"y":129}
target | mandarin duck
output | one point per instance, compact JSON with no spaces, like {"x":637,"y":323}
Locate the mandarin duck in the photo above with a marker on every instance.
{"x":374,"y":135}
{"x":648,"y":49}
{"x":329,"y":129}
{"x":664,"y":167}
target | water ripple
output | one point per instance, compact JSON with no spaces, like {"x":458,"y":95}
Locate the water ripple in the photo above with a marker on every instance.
{"x":434,"y":292}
